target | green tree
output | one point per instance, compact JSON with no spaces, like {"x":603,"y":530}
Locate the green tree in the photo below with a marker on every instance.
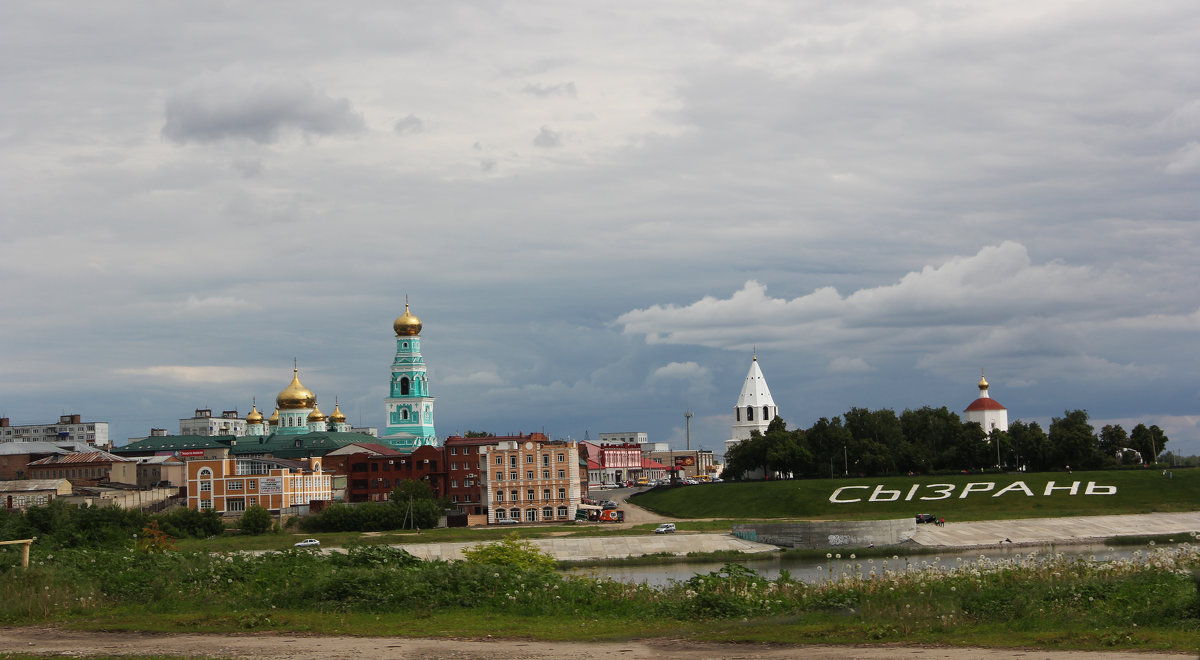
{"x":417,"y":502}
{"x":513,"y":551}
{"x":828,"y":439}
{"x":478,"y":434}
{"x":1113,"y":439}
{"x":255,"y":520}
{"x":1073,"y":441}
{"x":1031,"y":445}
{"x":1149,"y":441}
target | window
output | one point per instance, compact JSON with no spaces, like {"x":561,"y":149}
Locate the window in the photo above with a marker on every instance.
{"x":562,"y":493}
{"x":251,"y":501}
{"x":545,"y":493}
{"x":529,"y":494}
{"x":545,"y":474}
{"x":454,"y":466}
{"x":499,"y":460}
{"x":545,"y":459}
{"x":233,"y":484}
{"x":253,"y":484}
{"x":501,"y":514}
{"x":749,"y":413}
{"x":512,"y":460}
{"x":562,"y":474}
{"x":500,"y":496}
{"x":515,"y":514}
{"x":765,"y":413}
{"x":499,"y":476}
{"x":205,"y":486}
{"x":529,"y":474}
{"x":205,"y":504}
{"x":562,"y":512}
{"x":515,"y":496}
{"x":528,"y":458}
{"x":454,"y":451}
{"x":562,"y":457}
{"x":514,"y":475}
{"x":737,"y":414}
{"x":547,"y":513}
{"x":454,"y":484}
{"x":454,"y":498}
{"x":404,"y":386}
{"x":235,"y":504}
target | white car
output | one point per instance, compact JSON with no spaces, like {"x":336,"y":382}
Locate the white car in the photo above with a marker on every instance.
{"x":307,"y":543}
{"x":665,"y":528}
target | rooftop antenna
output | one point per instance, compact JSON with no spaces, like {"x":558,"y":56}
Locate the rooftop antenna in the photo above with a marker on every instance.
{"x":687,"y":419}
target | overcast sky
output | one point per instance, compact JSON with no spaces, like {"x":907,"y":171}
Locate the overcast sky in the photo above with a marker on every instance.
{"x":601,"y":210}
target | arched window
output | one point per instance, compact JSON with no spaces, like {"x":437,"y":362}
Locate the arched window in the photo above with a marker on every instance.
{"x":403,"y":414}
{"x":766,"y":414}
{"x":737,"y":414}
{"x":404,"y":386}
{"x":749,"y":413}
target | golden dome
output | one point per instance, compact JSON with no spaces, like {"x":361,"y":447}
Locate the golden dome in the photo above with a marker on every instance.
{"x":254,"y":417}
{"x":296,"y":395}
{"x":407,"y":325}
{"x":274,"y":419}
{"x":316,"y":415}
{"x":983,"y":384}
{"x":338,"y":416}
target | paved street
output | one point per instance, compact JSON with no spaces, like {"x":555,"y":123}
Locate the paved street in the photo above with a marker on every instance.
{"x":1061,"y":530}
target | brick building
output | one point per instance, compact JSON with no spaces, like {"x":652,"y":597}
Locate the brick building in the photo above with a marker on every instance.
{"x":230,"y":485}
{"x":531,"y":481}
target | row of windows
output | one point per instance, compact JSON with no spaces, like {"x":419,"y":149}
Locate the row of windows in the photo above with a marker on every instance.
{"x":529,"y":475}
{"x":515,"y":495}
{"x":737,"y":413}
{"x":531,"y":515}
{"x":529,"y":458}
{"x":73,"y":472}
{"x":388,"y":467}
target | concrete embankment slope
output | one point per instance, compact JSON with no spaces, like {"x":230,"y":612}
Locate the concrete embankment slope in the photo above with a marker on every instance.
{"x":1036,"y":531}
{"x":606,"y":547}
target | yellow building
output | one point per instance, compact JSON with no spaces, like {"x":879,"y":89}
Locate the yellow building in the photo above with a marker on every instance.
{"x":230,"y":485}
{"x":529,"y":481}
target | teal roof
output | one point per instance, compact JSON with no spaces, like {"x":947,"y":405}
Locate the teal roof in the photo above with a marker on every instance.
{"x":279,"y":446}
{"x":174,"y":443}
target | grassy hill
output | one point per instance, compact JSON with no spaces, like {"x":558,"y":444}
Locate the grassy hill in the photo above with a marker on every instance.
{"x":1136,"y":491}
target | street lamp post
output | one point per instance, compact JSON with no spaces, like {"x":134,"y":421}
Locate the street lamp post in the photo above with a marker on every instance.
{"x":845,"y":461}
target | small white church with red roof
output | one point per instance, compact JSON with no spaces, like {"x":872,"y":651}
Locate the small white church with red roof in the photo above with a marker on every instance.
{"x":987,"y":411}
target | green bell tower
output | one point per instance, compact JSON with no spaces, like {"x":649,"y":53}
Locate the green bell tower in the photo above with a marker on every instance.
{"x":409,"y":405}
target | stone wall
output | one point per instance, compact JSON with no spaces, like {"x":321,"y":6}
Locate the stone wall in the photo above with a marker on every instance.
{"x":829,"y":534}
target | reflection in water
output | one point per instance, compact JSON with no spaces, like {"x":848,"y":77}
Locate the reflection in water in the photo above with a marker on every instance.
{"x":808,"y":570}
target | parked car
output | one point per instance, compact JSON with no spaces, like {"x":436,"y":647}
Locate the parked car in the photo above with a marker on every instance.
{"x":507,"y":521}
{"x":307,"y":543}
{"x":665,"y":528}
{"x":608,"y":504}
{"x":926,"y":518}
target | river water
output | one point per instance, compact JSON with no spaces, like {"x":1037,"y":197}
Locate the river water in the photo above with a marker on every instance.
{"x":809,"y":570}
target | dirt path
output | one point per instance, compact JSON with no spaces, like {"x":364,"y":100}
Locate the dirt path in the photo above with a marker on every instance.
{"x":46,"y":641}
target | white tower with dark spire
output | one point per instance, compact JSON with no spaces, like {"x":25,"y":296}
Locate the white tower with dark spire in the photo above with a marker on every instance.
{"x":755,"y":408}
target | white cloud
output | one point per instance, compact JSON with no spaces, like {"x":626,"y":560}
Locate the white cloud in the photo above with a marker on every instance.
{"x":680,"y":371}
{"x":1186,"y":160}
{"x":198,"y":375}
{"x":485,"y":378}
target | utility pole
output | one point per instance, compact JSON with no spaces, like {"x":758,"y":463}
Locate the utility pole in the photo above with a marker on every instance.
{"x":687,"y":420}
{"x":845,"y":461}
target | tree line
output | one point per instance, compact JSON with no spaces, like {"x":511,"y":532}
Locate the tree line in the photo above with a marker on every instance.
{"x":930,"y":440}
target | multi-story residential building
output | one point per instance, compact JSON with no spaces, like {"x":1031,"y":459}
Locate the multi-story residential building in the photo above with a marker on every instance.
{"x":531,"y":481}
{"x":203,"y":423}
{"x":374,"y":470}
{"x":70,"y":428}
{"x":230,"y":485}
{"x":464,"y":486}
{"x":86,"y":468}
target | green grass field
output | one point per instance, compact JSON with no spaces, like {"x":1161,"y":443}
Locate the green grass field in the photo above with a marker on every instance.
{"x":1136,"y":491}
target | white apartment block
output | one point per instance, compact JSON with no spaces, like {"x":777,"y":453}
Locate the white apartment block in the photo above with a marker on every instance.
{"x":205,"y":424}
{"x":70,"y":428}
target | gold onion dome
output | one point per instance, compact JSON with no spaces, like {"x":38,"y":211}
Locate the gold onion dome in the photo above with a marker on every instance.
{"x":983,"y":384}
{"x":316,"y":415}
{"x":407,"y":325}
{"x":337,"y":416}
{"x":296,"y":395}
{"x":254,"y":417}
{"x":274,"y":419}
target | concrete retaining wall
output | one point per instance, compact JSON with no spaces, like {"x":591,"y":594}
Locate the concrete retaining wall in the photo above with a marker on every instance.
{"x":832,"y":534}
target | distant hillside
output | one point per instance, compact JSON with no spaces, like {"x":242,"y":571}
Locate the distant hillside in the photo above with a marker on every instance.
{"x":958,"y":497}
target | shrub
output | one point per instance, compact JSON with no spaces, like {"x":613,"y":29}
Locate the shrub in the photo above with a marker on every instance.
{"x":256,"y":520}
{"x":512,"y":550}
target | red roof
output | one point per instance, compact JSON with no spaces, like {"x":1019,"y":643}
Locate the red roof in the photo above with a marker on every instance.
{"x":593,"y":465}
{"x":984,"y":403}
{"x":649,"y":464}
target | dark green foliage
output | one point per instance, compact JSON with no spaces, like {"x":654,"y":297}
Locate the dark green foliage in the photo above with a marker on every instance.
{"x":255,"y":520}
{"x":186,"y":522}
